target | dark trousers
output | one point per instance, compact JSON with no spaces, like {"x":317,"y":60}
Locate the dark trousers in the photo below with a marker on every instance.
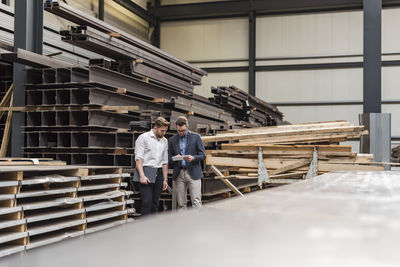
{"x":150,"y":194}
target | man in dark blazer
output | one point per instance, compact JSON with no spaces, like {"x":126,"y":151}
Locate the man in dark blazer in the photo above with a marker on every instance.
{"x":185,"y":153}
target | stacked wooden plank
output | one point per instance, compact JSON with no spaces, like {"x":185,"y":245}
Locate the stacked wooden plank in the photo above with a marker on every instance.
{"x":41,"y":205}
{"x":288,"y":151}
{"x":8,"y":161}
{"x":307,"y":133}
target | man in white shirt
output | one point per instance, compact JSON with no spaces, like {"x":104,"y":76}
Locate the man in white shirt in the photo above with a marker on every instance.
{"x":151,"y":156}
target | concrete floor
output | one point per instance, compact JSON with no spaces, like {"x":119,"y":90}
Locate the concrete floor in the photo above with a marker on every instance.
{"x":337,"y":219}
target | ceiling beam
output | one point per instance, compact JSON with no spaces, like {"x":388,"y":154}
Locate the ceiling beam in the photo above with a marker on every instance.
{"x":237,"y":8}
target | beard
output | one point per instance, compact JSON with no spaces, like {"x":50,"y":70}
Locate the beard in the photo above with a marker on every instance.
{"x":159,"y":135}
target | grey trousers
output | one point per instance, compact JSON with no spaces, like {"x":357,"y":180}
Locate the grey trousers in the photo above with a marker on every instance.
{"x":181,"y":185}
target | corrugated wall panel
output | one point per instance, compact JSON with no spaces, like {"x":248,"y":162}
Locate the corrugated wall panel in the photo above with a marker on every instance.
{"x":309,"y":34}
{"x":206,"y":39}
{"x":310,"y":85}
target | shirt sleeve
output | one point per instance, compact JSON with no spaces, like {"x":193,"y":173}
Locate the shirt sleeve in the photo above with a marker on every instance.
{"x":165,"y":155}
{"x":140,"y":147}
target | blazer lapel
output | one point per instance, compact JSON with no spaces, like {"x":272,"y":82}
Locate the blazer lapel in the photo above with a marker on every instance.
{"x":187,"y":142}
{"x":177,"y":149}
{"x":176,"y":145}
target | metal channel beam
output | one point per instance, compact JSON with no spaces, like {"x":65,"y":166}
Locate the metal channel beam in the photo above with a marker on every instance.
{"x":28,"y":35}
{"x":78,"y":118}
{"x":316,"y":66}
{"x":112,"y":78}
{"x":101,"y":43}
{"x":261,"y":7}
{"x":63,"y":10}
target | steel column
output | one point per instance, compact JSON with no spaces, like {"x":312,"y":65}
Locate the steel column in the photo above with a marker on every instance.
{"x":252,"y":53}
{"x":101,"y":10}
{"x":378,"y":125}
{"x":28,"y":34}
{"x":157,"y":28}
{"x":372,"y":56}
{"x":378,"y":140}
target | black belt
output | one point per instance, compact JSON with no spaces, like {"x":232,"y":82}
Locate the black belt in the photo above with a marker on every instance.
{"x":184,"y":168}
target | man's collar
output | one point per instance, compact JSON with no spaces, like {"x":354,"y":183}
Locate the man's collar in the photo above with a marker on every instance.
{"x":186,"y":135}
{"x":153,"y":135}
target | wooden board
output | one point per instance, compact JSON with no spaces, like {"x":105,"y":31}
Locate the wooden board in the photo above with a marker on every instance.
{"x":277,"y":163}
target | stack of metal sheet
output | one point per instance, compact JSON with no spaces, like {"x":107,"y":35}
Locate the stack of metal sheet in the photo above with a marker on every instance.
{"x":65,"y":115}
{"x":5,"y":83}
{"x":245,"y":106}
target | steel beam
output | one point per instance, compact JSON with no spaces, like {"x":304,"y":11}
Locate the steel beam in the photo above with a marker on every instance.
{"x":242,"y":8}
{"x":313,"y":66}
{"x":330,"y":103}
{"x":61,"y":9}
{"x":132,"y":85}
{"x":86,"y":96}
{"x":28,"y":35}
{"x":372,"y":56}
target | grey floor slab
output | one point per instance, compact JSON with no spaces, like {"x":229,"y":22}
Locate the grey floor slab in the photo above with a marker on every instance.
{"x":338,"y":219}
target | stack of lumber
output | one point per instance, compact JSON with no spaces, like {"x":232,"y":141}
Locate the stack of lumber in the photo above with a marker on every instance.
{"x":307,"y":133}
{"x":246,"y":107}
{"x":40,"y":205}
{"x":8,"y":161}
{"x":287,"y":151}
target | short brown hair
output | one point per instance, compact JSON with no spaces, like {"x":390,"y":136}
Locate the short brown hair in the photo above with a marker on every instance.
{"x":160,"y":122}
{"x":181,"y":120}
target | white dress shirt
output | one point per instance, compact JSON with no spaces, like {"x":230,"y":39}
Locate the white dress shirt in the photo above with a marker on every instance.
{"x":152,"y":150}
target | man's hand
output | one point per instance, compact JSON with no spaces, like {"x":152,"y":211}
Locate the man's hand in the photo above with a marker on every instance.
{"x":144,"y":180}
{"x":188,"y":158}
{"x":165,"y":185}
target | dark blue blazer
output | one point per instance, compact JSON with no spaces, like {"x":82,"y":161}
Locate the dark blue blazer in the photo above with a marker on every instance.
{"x":194,"y":147}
